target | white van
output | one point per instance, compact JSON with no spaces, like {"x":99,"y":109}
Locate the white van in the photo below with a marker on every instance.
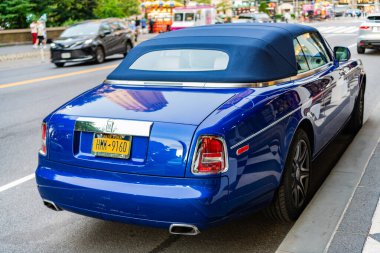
{"x":184,"y":17}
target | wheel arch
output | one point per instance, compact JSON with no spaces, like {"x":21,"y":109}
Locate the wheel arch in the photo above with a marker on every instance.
{"x":307,"y":126}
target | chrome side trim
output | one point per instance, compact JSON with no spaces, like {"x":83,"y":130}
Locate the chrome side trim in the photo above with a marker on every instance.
{"x":217,"y":85}
{"x":195,"y":84}
{"x":113,"y":126}
{"x":265,"y":128}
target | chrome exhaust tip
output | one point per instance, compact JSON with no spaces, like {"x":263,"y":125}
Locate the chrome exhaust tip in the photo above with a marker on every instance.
{"x":183,"y":229}
{"x":51,"y":205}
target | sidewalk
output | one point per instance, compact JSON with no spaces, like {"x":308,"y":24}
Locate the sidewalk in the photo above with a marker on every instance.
{"x":20,"y":52}
{"x":340,"y":218}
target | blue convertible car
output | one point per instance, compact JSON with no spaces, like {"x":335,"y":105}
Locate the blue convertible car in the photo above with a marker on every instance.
{"x":199,"y":126}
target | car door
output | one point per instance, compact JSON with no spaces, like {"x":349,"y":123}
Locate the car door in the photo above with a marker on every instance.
{"x":107,"y":38}
{"x":121,"y":31}
{"x":336,"y":94}
{"x":310,"y":84}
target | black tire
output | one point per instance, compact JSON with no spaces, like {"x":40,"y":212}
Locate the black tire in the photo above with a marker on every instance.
{"x":356,"y":120}
{"x":128,"y":48}
{"x":360,"y":50}
{"x":99,"y":55}
{"x":294,"y":192}
{"x":59,"y":64}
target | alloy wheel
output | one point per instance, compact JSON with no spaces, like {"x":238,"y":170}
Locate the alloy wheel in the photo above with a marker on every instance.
{"x":300,"y":174}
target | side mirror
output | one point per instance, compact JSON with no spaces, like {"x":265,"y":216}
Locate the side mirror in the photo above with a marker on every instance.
{"x":342,"y":54}
{"x":104,"y":33}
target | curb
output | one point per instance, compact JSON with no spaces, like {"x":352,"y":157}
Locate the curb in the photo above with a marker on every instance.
{"x":317,"y":225}
{"x":21,"y":56}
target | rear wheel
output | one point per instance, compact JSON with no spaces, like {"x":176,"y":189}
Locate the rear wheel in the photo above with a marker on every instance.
{"x":59,"y":64}
{"x":361,"y":50}
{"x":99,"y":55}
{"x":293,"y":193}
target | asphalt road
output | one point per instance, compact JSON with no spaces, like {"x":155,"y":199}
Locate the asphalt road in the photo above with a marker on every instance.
{"x":27,"y":226}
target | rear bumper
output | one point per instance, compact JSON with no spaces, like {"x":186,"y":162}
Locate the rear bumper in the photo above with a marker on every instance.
{"x":144,"y":200}
{"x":369,"y":41}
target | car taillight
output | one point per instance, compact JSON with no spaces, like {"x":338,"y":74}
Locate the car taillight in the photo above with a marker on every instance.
{"x":364,"y":27}
{"x":43,"y":142}
{"x":210,"y":156}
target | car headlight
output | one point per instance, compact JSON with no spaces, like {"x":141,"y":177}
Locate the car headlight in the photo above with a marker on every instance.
{"x":52,"y":45}
{"x":89,"y":41}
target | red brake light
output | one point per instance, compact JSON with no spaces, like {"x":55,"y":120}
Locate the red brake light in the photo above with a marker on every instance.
{"x":364,"y":27}
{"x":210,"y":156}
{"x":43,"y":142}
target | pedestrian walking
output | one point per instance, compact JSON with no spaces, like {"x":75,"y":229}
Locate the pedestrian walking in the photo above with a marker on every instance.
{"x":41,"y":34}
{"x":287,"y":16}
{"x":151,"y":25}
{"x":33,"y":31}
{"x":143,"y":25}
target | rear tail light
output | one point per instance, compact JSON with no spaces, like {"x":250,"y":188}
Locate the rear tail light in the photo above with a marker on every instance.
{"x":364,"y":27}
{"x":210,"y":156}
{"x":43,"y":142}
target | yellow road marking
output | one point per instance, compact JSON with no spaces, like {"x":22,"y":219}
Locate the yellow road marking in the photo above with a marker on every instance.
{"x":46,"y":78}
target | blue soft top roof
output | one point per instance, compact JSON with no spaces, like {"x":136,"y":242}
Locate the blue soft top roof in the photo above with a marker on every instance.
{"x":257,"y":53}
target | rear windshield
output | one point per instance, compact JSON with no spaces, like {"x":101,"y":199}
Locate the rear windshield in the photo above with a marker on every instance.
{"x":182,"y":60}
{"x":245,"y":17}
{"x":374,"y":18}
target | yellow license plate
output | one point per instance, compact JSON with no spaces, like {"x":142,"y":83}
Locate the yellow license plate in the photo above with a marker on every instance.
{"x":111,"y":145}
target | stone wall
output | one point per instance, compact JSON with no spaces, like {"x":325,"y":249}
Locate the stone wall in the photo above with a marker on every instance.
{"x":23,"y":36}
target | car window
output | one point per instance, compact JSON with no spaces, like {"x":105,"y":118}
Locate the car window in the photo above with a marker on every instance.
{"x":113,"y":26}
{"x":116,"y":25}
{"x":105,"y":27}
{"x":321,"y":46}
{"x":182,"y":60}
{"x":189,"y":16}
{"x":178,"y":17}
{"x":374,"y":18}
{"x":314,"y":55}
{"x":302,"y":65}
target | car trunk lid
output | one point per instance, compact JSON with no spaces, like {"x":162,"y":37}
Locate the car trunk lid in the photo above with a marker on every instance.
{"x":158,"y":124}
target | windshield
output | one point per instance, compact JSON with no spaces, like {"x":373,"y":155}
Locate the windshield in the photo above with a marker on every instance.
{"x":81,"y":30}
{"x":182,"y":60}
{"x":262,"y":16}
{"x":374,"y":18}
{"x":178,"y":17}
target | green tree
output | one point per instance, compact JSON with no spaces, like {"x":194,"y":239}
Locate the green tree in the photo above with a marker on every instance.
{"x":116,"y":8}
{"x":13,"y":13}
{"x":263,"y":7}
{"x":224,"y":5}
{"x":203,"y":1}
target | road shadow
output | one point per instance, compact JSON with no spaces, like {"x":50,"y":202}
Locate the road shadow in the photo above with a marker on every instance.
{"x":112,"y":58}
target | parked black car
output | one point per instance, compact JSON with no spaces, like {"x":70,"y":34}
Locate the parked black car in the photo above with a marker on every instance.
{"x":92,"y":41}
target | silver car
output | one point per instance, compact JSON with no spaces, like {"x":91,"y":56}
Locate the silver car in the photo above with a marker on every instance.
{"x":369,"y":33}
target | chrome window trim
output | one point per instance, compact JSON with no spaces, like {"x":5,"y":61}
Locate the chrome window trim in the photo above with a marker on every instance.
{"x":113,"y":126}
{"x":217,"y":85}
